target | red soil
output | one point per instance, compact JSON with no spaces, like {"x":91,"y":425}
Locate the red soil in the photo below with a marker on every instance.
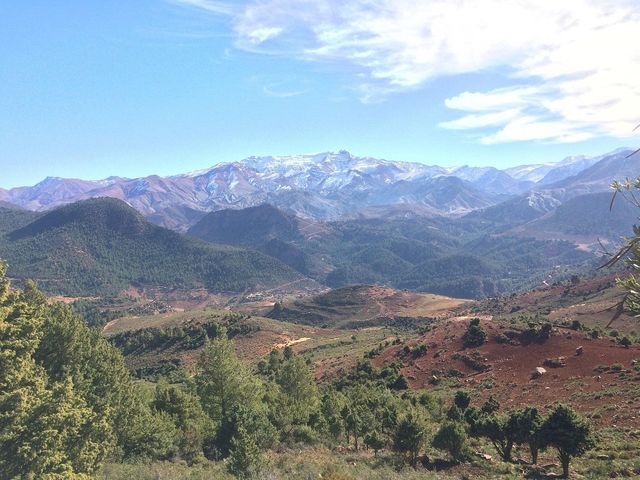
{"x":511,"y":366}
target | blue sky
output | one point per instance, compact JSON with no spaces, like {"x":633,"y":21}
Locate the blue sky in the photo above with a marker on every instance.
{"x":90,"y":89}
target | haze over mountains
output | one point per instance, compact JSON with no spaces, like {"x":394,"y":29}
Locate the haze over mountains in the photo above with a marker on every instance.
{"x":328,"y":186}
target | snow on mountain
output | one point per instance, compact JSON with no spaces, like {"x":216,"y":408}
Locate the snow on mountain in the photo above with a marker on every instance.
{"x":322,"y":185}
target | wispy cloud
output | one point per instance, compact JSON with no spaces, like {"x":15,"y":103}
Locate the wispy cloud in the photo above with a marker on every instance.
{"x":576,"y":62}
{"x":213,"y":6}
{"x":276,"y":90}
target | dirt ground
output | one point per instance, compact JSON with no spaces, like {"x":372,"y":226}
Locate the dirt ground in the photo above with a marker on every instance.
{"x":509,"y":368}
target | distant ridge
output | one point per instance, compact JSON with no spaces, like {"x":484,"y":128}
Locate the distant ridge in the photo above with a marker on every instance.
{"x":324,"y":186}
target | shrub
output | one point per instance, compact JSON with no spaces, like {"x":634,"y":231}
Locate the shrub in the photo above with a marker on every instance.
{"x":462,"y":399}
{"x":625,"y":342}
{"x":475,"y":336}
{"x":451,"y":437}
{"x":374,"y":441}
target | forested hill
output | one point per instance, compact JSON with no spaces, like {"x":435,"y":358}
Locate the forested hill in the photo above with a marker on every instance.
{"x":102,"y":246}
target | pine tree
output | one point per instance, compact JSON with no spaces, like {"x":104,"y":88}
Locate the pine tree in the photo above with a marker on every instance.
{"x":223,"y":384}
{"x":527,"y":424}
{"x":189,"y":418}
{"x":245,"y":458}
{"x":566,"y":431}
{"x":451,"y":437}
{"x":409,"y":438}
{"x":299,"y":396}
{"x":47,"y":428}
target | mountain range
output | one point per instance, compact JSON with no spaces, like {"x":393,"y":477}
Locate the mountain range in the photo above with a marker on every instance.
{"x":330,"y":186}
{"x":329,"y":220}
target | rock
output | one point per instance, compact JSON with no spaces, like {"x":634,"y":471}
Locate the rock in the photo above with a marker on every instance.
{"x":487,"y":457}
{"x":538,"y":372}
{"x":555,"y":362}
{"x":579,"y":350}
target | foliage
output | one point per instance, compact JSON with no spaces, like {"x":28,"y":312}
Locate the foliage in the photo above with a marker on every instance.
{"x":188,"y":417}
{"x":58,"y":410}
{"x":409,"y":437}
{"x":500,"y":430}
{"x":224,"y":384}
{"x":245,"y":458}
{"x":102,"y":246}
{"x":527,"y":423}
{"x":474,"y":336}
{"x":374,"y":441}
{"x":566,"y":431}
{"x":462,"y":399}
{"x":451,"y":437}
{"x":298,"y":395}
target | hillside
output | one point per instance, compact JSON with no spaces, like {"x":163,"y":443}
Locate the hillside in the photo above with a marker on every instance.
{"x":13,"y":218}
{"x":364,"y":305}
{"x":586,"y":221}
{"x":502,"y":367}
{"x":102,"y":246}
{"x":251,"y":226}
{"x":163,"y":344}
{"x":454,"y":257}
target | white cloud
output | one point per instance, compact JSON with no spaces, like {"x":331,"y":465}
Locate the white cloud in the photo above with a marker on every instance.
{"x":482,"y":120}
{"x":576,"y":62}
{"x":277,"y":90}
{"x":213,"y":6}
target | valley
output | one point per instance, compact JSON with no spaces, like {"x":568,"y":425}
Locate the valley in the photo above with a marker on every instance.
{"x":347,"y":332}
{"x":320,"y":240}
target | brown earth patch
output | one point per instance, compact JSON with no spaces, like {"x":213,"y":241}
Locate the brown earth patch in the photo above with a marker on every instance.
{"x":508,"y":375}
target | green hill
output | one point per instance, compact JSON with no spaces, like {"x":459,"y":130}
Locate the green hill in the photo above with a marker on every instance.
{"x":102,"y":246}
{"x":249,"y":226}
{"x":13,"y":218}
{"x":454,"y":257}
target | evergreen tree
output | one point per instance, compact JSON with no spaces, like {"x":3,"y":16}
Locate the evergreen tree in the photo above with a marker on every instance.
{"x":299,"y":397}
{"x":490,"y":406}
{"x":69,"y":348}
{"x":374,"y":441}
{"x":186,"y":412}
{"x":409,"y":438}
{"x":224,"y":383}
{"x":462,"y":400}
{"x":566,"y":431}
{"x":332,"y":404}
{"x":451,"y":437}
{"x":527,"y":424}
{"x":500,"y":430}
{"x":46,"y":426}
{"x":245,"y":458}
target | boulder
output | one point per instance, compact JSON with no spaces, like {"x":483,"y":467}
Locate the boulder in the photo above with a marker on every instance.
{"x":538,"y":372}
{"x":555,"y":362}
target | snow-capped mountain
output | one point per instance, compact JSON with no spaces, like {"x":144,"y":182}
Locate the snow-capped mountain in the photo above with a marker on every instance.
{"x":322,"y":186}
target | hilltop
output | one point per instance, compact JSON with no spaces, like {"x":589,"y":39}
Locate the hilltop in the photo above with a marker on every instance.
{"x":362,"y":306}
{"x":103,"y":246}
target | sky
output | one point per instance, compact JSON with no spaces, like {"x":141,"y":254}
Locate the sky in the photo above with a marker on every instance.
{"x":90,"y":89}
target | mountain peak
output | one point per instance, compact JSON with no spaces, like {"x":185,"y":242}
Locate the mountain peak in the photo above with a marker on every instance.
{"x":94,"y":215}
